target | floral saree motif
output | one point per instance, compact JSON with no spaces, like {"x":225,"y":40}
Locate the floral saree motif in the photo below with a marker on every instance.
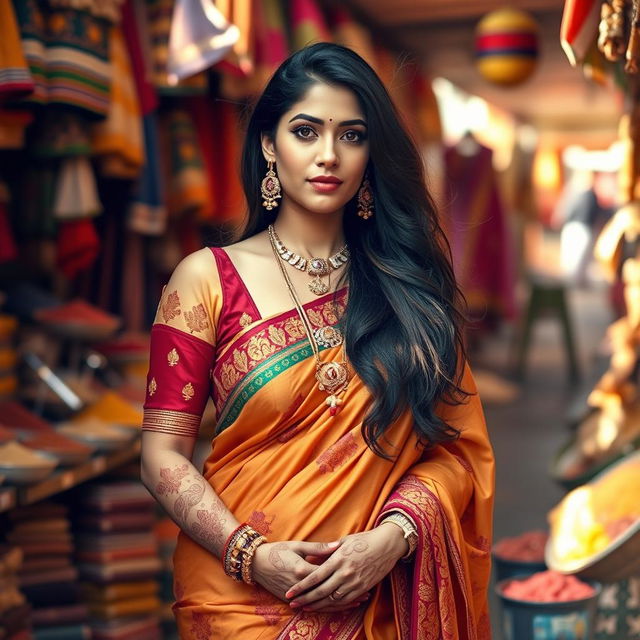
{"x":282,"y":463}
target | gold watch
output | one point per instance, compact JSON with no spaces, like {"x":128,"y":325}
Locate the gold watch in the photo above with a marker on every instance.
{"x":409,"y":530}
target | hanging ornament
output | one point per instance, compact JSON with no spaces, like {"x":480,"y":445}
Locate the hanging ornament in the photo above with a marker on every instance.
{"x":506,"y":46}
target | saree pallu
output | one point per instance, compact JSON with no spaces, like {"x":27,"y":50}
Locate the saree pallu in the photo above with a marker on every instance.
{"x":280,"y":462}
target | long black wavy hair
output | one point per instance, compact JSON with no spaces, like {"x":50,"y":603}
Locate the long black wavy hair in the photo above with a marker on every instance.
{"x":402,"y":324}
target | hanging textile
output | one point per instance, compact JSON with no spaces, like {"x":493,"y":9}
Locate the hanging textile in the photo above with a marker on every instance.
{"x":8,"y":249}
{"x":78,"y":246}
{"x":270,"y":48}
{"x":76,"y":194}
{"x":15,"y":76}
{"x":118,"y":139}
{"x":307,"y":23}
{"x":200,"y":37}
{"x":159,"y":14}
{"x":207,"y":131}
{"x":239,"y":61}
{"x":349,"y":33}
{"x":187,"y":187}
{"x":147,"y":213}
{"x":579,"y":28}
{"x":479,"y":236}
{"x":135,"y":31}
{"x":32,"y":27}
{"x":13,"y":125}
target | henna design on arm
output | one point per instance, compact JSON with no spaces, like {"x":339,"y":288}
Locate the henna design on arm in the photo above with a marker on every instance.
{"x":210,"y":525}
{"x":189,"y":498}
{"x":171,"y":479}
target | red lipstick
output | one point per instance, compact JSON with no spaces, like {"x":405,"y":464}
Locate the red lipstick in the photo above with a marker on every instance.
{"x":325,"y":184}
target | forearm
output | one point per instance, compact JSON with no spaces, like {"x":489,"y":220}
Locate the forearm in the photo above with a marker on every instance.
{"x":188,"y":499}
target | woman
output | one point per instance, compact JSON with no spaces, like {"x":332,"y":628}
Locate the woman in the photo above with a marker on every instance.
{"x":348,"y":492}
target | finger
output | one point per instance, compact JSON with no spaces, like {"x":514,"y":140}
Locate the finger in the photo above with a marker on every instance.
{"x":316,"y":548}
{"x":316,"y":577}
{"x":323,"y":589}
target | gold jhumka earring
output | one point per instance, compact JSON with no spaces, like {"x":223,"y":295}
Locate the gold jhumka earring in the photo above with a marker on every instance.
{"x":365,"y":200}
{"x":270,"y":188}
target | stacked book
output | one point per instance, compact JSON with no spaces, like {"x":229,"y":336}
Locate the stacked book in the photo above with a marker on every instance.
{"x":47,"y":576}
{"x":14,"y":610}
{"x":117,"y":556}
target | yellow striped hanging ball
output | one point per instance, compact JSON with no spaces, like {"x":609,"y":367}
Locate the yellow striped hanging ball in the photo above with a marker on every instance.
{"x":507,"y":46}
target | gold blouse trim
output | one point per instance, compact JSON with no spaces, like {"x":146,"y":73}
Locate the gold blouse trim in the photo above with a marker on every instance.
{"x":173,"y":422}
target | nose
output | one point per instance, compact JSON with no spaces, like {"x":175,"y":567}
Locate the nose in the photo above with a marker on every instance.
{"x":327,"y":156}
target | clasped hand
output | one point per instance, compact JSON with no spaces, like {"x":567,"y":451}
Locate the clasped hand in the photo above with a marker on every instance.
{"x":350,"y":568}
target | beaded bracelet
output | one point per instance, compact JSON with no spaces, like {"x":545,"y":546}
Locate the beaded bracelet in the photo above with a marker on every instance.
{"x":247,"y":559}
{"x":237,"y":556}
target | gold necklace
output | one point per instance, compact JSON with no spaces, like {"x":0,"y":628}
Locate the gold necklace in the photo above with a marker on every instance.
{"x":332,"y":377}
{"x":316,"y":267}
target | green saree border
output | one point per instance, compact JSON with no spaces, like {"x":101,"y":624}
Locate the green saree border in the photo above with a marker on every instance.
{"x":256,"y":379}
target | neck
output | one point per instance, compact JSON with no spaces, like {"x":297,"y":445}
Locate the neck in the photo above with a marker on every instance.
{"x":310,"y":234}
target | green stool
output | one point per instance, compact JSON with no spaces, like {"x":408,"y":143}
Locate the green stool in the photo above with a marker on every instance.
{"x":546,"y":296}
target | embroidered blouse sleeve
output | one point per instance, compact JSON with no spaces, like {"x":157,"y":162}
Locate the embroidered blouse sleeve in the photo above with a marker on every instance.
{"x":182,"y":347}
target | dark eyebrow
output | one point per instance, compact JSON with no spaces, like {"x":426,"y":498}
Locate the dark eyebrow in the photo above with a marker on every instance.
{"x":345,"y":123}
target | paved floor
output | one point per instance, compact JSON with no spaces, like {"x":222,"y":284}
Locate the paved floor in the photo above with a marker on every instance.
{"x":527,"y":432}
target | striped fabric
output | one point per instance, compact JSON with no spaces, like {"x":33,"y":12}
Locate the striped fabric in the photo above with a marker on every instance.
{"x":66,"y":51}
{"x":15,"y":78}
{"x":579,"y":28}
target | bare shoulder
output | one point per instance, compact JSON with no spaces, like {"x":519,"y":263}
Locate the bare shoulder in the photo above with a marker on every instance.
{"x":199,"y":264}
{"x":250,"y":250}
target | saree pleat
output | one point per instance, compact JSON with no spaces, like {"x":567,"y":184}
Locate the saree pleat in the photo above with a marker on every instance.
{"x":283,"y":464}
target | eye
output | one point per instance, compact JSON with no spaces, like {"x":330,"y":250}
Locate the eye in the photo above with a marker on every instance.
{"x":353,"y":136}
{"x":305,"y":132}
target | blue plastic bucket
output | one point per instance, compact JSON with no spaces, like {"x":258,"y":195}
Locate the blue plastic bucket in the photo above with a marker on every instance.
{"x":524,"y":620}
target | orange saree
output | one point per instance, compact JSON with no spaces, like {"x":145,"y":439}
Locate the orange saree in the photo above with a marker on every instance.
{"x":282,"y":463}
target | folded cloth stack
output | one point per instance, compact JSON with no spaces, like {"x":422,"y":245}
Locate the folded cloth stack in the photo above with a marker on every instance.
{"x":47,"y":575}
{"x":14,"y":610}
{"x":167,"y":534}
{"x":117,"y":554}
{"x":8,"y":356}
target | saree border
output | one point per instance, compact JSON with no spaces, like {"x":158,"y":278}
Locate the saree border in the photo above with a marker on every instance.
{"x":256,"y":379}
{"x":324,"y":626}
{"x":418,"y":585}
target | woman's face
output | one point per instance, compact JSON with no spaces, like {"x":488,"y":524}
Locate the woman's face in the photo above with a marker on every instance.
{"x":320,"y":149}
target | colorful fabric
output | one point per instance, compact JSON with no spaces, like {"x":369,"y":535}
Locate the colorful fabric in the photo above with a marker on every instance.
{"x":66,"y":50}
{"x":307,"y":24}
{"x":159,"y":13}
{"x":32,"y":26}
{"x":76,"y":190}
{"x":280,"y":462}
{"x":8,"y":248}
{"x":476,"y":225}
{"x":118,"y":138}
{"x":148,"y":213}
{"x":134,"y":32}
{"x":187,"y":184}
{"x":200,"y":37}
{"x":15,"y":77}
{"x":579,"y":28}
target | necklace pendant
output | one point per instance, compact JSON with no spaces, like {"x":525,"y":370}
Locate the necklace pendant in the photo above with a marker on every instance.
{"x":328,"y":336}
{"x":319,"y":267}
{"x":317,"y":287}
{"x":332,"y":377}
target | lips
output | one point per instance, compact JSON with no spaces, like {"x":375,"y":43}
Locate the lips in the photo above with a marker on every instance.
{"x":326,"y":180}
